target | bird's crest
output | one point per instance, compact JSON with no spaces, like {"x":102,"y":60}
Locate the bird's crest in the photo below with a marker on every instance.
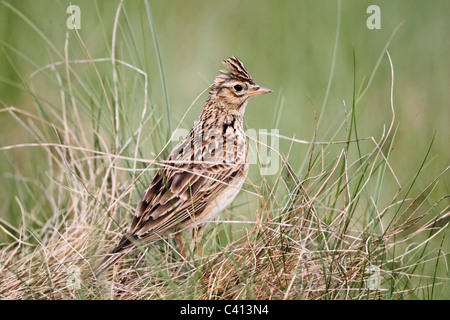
{"x":237,"y":70}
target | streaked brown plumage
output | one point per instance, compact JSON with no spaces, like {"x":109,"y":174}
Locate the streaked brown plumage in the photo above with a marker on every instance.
{"x":203,"y":173}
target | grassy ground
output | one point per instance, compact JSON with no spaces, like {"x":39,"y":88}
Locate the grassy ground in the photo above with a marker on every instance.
{"x":357,"y":207}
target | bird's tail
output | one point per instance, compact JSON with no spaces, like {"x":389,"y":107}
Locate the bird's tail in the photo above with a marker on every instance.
{"x":110,"y":259}
{"x":124,"y":246}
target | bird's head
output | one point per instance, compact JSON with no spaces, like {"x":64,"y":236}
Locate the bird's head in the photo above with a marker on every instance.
{"x":235,"y":86}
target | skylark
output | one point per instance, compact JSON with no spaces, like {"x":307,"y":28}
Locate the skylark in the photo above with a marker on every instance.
{"x":203,"y":173}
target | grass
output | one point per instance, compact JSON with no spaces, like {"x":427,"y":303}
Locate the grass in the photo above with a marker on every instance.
{"x":340,"y":223}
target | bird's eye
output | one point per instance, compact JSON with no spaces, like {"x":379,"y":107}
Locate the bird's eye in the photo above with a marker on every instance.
{"x":238,"y":87}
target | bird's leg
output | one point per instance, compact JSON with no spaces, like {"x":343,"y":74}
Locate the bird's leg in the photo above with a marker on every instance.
{"x":197,"y":234}
{"x":180,"y":244}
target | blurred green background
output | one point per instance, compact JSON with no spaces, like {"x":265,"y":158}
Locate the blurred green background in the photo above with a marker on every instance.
{"x":286,"y":45}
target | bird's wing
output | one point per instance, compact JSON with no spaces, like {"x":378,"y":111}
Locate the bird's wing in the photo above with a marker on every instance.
{"x":176,"y":195}
{"x":179,"y":194}
{"x":182,"y":189}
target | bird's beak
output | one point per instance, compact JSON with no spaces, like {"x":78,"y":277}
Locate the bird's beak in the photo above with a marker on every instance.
{"x":258,"y":90}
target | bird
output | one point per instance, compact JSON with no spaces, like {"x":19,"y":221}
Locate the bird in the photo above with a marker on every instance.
{"x":203,"y":173}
